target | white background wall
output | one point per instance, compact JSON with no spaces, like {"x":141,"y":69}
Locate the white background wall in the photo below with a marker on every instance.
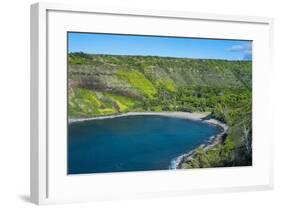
{"x":14,"y":102}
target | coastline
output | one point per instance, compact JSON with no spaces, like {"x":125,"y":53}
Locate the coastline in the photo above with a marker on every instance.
{"x":176,"y":114}
{"x":213,"y":141}
{"x":197,"y":116}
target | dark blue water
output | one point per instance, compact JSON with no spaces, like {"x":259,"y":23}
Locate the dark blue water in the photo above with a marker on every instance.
{"x":132,"y":143}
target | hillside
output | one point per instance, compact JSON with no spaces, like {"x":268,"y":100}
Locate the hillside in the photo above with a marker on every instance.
{"x":105,"y":84}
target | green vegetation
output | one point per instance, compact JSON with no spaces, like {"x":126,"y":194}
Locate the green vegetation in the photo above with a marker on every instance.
{"x":105,"y":85}
{"x":138,"y":81}
{"x":84,"y":102}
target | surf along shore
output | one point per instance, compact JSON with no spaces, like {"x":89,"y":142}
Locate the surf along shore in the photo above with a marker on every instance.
{"x":197,"y":116}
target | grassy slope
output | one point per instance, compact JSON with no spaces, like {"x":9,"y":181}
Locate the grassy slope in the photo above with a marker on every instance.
{"x":105,"y":85}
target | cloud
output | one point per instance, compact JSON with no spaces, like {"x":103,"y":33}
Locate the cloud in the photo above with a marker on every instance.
{"x":236,"y":48}
{"x":245,"y":49}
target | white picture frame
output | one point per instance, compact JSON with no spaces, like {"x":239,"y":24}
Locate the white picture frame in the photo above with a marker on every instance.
{"x":49,"y":181}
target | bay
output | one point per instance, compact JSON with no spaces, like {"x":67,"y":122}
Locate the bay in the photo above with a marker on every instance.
{"x":133,"y":143}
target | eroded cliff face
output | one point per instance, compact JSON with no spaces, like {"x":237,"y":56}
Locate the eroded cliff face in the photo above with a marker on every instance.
{"x":243,"y":154}
{"x":118,"y":73}
{"x":151,"y":82}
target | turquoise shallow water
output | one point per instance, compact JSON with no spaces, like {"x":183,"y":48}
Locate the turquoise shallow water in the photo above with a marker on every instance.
{"x":132,"y":143}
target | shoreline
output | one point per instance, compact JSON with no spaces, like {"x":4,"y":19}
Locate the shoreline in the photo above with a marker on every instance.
{"x":197,"y":116}
{"x":213,"y":141}
{"x":177,"y":114}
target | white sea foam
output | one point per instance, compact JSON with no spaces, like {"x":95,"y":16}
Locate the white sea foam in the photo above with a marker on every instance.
{"x":211,"y":142}
{"x":176,"y":161}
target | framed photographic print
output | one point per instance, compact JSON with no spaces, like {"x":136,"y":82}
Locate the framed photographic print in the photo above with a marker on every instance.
{"x":136,"y":103}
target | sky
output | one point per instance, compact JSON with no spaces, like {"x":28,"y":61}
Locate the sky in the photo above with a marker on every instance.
{"x":112,"y":44}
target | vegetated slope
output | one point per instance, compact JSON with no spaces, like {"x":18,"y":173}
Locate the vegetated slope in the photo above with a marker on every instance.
{"x":106,"y":84}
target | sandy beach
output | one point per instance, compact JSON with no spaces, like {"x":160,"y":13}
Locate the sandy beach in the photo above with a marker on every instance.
{"x":186,"y":115}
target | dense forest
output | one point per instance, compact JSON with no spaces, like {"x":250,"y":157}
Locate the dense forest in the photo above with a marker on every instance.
{"x":108,"y":84}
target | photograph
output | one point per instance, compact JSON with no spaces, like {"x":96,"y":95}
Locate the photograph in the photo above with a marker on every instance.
{"x":154,"y":103}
